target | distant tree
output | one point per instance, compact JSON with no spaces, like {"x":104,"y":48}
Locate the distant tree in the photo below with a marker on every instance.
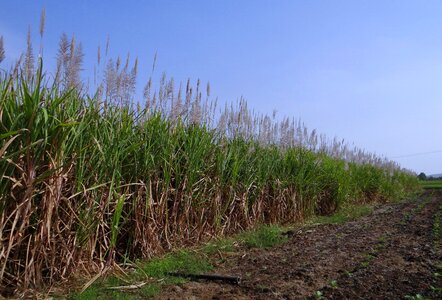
{"x":422,"y":176}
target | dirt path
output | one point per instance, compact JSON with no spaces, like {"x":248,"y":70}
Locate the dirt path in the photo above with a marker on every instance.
{"x":389,"y":254}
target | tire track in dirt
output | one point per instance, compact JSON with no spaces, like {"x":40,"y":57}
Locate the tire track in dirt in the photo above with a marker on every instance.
{"x":375,"y":257}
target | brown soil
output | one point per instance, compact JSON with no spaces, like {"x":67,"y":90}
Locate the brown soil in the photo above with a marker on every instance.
{"x":389,"y":254}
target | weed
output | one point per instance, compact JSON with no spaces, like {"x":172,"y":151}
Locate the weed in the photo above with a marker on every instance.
{"x":382,"y":239}
{"x":219,"y":245}
{"x":91,"y":292}
{"x":365,"y":264}
{"x":319,"y":295}
{"x":345,"y":214}
{"x":334,"y":284}
{"x":101,"y":293}
{"x":263,"y":288}
{"x":150,"y":290}
{"x":374,"y":252}
{"x":416,"y":297}
{"x":183,"y":261}
{"x":265,"y":236}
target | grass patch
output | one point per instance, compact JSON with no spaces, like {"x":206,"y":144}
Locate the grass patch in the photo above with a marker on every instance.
{"x":219,"y":245}
{"x":343,"y":215}
{"x":150,"y":290}
{"x":431,"y":184}
{"x":265,"y":236}
{"x":184,"y":261}
{"x":99,"y":292}
{"x":91,"y":292}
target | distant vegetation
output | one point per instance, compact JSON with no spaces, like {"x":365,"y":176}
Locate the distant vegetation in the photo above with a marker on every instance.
{"x":423,"y":176}
{"x":432,"y":184}
{"x":429,"y":182}
{"x":93,"y":179}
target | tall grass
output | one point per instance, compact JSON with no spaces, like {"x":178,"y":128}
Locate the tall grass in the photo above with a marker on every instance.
{"x":88,"y":181}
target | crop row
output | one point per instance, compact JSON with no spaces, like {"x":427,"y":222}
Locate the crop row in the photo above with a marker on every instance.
{"x":86,"y":183}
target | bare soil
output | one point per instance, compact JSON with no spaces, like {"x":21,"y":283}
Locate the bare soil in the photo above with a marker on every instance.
{"x":389,"y":254}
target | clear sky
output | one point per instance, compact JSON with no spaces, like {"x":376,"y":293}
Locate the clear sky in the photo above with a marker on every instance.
{"x":366,"y":71}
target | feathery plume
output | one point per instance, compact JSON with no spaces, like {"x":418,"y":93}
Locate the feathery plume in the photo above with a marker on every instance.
{"x":208,"y":89}
{"x":75,"y":62}
{"x":2,"y":49}
{"x":42,"y":30}
{"x":62,"y":58}
{"x":196,"y":114}
{"x":120,"y":82}
{"x":162,"y":92}
{"x":135,"y":68}
{"x":110,"y":75}
{"x":133,"y":77}
{"x":42,"y":22}
{"x":177,"y":106}
{"x":17,"y":67}
{"x":69,"y":61}
{"x":118,"y":63}
{"x":95,"y":75}
{"x":126,"y":65}
{"x":107,"y":45}
{"x":146,"y":93}
{"x":154,"y":62}
{"x":129,"y":80}
{"x":29,"y":57}
{"x":98,"y":55}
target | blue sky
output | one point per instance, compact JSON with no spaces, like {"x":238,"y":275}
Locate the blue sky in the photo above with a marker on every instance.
{"x":366,"y":71}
